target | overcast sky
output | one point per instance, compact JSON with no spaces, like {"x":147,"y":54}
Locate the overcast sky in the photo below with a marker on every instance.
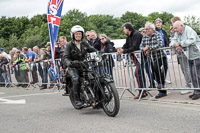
{"x":18,"y":8}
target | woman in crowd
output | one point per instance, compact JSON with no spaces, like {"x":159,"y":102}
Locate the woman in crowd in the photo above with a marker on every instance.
{"x":107,"y":47}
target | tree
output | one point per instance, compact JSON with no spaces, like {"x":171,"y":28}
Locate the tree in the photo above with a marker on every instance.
{"x":13,"y":25}
{"x":136,"y":19}
{"x":193,"y":22}
{"x":22,"y":31}
{"x":103,"y":24}
{"x":71,"y":18}
{"x":4,"y":44}
{"x":44,"y":33}
{"x":38,"y":20}
{"x":31,"y":37}
{"x":13,"y":42}
{"x":166,"y":17}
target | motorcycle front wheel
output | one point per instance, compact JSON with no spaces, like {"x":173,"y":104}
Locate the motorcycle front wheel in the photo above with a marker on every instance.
{"x":72,"y":99}
{"x":111,"y":103}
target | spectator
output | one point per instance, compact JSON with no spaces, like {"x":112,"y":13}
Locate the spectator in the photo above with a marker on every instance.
{"x":142,"y":31}
{"x":147,"y":64}
{"x":151,"y":41}
{"x":87,"y":35}
{"x":183,"y":61}
{"x":163,"y":33}
{"x":51,"y":76}
{"x":23,"y":75}
{"x":165,"y":39}
{"x":62,"y":42}
{"x":107,"y":47}
{"x":3,"y":62}
{"x":37,"y":56}
{"x":44,"y":55}
{"x":17,"y":68}
{"x":62,"y":45}
{"x":20,"y":49}
{"x":95,"y":41}
{"x":37,"y":51}
{"x":185,"y":36}
{"x":133,"y":41}
{"x":6,"y":70}
{"x":12,"y":56}
{"x":30,"y":56}
{"x":4,"y":54}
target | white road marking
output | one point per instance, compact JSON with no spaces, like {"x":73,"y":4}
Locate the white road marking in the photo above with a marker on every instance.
{"x":22,"y":101}
{"x":7,"y":101}
{"x":27,"y":95}
{"x":1,"y":93}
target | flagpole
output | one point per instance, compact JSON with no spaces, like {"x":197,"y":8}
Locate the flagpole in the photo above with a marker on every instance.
{"x":54,"y":10}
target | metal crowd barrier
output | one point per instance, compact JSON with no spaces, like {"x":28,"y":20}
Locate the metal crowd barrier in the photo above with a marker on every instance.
{"x":125,"y":70}
{"x":31,"y":77}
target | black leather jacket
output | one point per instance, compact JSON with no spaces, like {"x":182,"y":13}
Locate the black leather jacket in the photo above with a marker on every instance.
{"x":132,"y":42}
{"x":167,"y":42}
{"x":71,"y":52}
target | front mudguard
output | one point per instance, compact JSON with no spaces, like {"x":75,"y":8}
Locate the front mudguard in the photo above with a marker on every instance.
{"x":108,"y":80}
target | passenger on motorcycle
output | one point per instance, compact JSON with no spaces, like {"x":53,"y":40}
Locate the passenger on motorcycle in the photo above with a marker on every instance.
{"x":76,"y":50}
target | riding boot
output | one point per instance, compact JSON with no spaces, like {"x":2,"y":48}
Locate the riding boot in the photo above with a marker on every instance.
{"x":76,"y":94}
{"x":77,"y":99}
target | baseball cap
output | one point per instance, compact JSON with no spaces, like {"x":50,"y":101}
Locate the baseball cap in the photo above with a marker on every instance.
{"x":1,"y":49}
{"x":141,"y":30}
{"x":158,"y":19}
{"x":48,"y":44}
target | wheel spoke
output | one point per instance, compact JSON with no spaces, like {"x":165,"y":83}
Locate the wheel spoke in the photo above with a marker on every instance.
{"x":111,"y":104}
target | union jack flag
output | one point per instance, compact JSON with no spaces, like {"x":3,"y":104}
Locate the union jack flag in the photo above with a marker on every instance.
{"x":53,"y":16}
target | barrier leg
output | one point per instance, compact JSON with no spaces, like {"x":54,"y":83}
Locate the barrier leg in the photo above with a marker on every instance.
{"x":128,"y":89}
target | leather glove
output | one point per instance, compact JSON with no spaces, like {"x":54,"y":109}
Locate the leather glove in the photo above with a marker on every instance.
{"x":75,"y":64}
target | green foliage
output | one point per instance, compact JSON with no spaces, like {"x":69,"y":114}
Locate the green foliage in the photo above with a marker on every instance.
{"x":12,"y":42}
{"x":136,"y":19}
{"x":31,"y":37}
{"x":166,"y":27}
{"x":3,"y":43}
{"x":38,"y":20}
{"x":166,"y":17}
{"x":193,"y":22}
{"x":105,"y":24}
{"x":23,"y":31}
{"x":71,"y":18}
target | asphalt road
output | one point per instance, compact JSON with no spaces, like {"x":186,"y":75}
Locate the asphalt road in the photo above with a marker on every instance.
{"x":49,"y":112}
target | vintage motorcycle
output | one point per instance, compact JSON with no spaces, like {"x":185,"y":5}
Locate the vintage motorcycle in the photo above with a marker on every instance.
{"x":96,"y":90}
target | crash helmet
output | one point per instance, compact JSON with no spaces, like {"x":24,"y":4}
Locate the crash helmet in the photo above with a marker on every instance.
{"x":76,"y":28}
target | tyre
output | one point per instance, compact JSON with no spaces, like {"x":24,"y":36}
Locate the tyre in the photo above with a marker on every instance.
{"x":111,"y":104}
{"x":72,"y":99}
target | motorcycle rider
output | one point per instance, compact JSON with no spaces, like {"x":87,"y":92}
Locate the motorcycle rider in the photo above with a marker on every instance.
{"x":76,"y":50}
